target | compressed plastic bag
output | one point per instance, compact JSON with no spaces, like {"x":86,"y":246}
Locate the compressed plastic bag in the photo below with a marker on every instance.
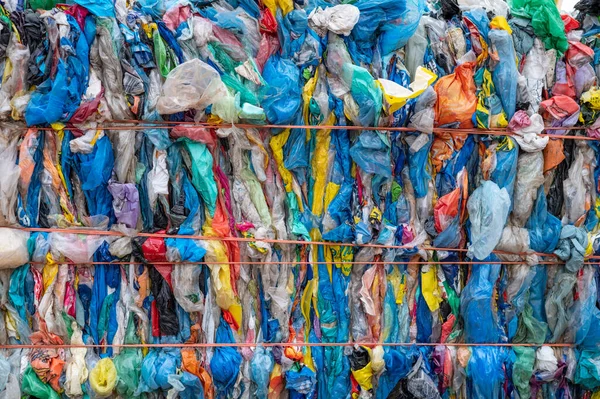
{"x":522,"y":370}
{"x":365,"y":93}
{"x":456,"y":97}
{"x":14,"y":248}
{"x":282,"y":94}
{"x":488,"y":208}
{"x":571,"y":247}
{"x":32,"y":385}
{"x":9,"y":136}
{"x":338,"y":19}
{"x":103,"y":378}
{"x":396,"y":33}
{"x":192,"y":85}
{"x":262,"y":365}
{"x":225,"y":362}
{"x":484,"y":370}
{"x":476,"y":303}
{"x":78,"y":248}
{"x":544,"y":228}
{"x":545,"y":20}
{"x":587,"y":373}
{"x":526,"y":131}
{"x":504,"y":72}
{"x":529,"y":178}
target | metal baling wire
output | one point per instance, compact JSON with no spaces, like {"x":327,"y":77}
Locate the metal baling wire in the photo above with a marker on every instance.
{"x":122,"y":263}
{"x":246,"y":239}
{"x":272,"y":344}
{"x":137,"y":126}
{"x":267,"y":240}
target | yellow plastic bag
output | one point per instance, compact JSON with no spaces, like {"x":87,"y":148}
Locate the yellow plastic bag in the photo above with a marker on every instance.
{"x":396,"y":96}
{"x":499,"y":22}
{"x":103,"y":378}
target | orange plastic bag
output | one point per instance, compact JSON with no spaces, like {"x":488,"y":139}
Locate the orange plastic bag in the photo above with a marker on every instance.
{"x":457,"y":100}
{"x":47,"y":362}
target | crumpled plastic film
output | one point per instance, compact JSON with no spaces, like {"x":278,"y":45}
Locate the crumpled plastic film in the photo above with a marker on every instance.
{"x":144,"y":201}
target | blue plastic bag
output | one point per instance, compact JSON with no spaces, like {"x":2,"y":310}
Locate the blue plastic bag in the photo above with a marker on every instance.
{"x":505,"y":72}
{"x":226,"y":361}
{"x":476,"y":303}
{"x":282,"y":96}
{"x":372,"y":154}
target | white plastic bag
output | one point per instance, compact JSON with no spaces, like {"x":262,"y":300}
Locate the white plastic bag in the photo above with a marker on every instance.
{"x":13,"y":248}
{"x":526,"y":131}
{"x":534,"y":71}
{"x":530,"y":176}
{"x":9,"y":174}
{"x":338,"y":19}
{"x":79,"y":248}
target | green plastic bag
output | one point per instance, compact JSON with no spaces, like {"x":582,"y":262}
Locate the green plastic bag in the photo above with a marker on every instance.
{"x":523,"y":369}
{"x":41,"y":4}
{"x":128,"y":364}
{"x":588,"y":372}
{"x":545,"y":20}
{"x":366,"y":94}
{"x":530,"y":330}
{"x":32,"y":385}
{"x":202,"y":173}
